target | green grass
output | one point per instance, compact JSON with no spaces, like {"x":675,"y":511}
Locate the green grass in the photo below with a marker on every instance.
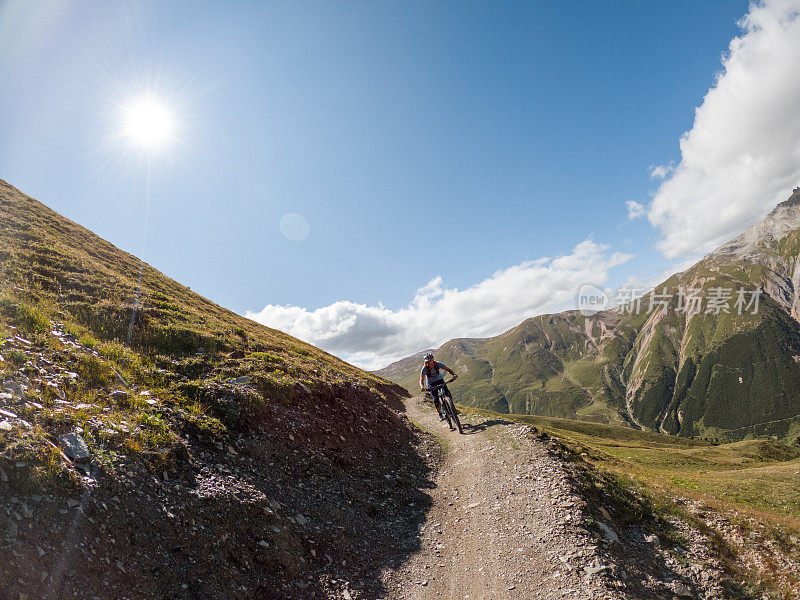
{"x":29,"y":319}
{"x":95,"y":372}
{"x":753,"y":475}
{"x":17,"y":358}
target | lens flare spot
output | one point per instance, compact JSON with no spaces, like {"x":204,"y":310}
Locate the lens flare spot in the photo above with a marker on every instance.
{"x":294,"y":227}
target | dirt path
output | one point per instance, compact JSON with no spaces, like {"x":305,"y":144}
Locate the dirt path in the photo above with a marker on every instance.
{"x":502,"y":524}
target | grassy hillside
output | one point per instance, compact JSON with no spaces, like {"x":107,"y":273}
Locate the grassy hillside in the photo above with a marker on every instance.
{"x":175,"y":444}
{"x":119,"y":323}
{"x":722,"y":375}
{"x":60,"y":268}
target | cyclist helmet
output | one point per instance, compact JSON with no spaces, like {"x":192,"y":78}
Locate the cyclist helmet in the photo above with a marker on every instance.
{"x":428,"y":357}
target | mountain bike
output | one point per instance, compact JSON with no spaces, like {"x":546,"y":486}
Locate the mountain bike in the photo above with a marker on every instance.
{"x":448,"y":407}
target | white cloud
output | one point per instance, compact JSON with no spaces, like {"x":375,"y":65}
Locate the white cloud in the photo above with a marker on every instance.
{"x":742,"y":155}
{"x":635,"y":210}
{"x":661,"y":171}
{"x":640,"y":285}
{"x":373,"y":336}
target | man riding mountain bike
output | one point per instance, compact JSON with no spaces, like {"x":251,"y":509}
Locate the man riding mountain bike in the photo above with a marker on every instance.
{"x":431,"y":371}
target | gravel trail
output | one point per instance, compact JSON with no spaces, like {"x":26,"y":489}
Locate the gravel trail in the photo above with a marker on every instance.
{"x":503,"y":523}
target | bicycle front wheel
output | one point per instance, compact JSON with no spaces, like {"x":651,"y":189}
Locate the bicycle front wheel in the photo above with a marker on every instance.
{"x":451,"y":408}
{"x":448,"y":416}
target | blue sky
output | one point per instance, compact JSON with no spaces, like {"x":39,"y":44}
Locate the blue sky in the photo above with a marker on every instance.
{"x":417,"y":140}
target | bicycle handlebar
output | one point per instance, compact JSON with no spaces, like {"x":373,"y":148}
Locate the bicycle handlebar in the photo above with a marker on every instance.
{"x":451,"y":380}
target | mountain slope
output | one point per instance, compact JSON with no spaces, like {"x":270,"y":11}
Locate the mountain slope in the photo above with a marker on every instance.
{"x":721,"y":375}
{"x":154,"y":444}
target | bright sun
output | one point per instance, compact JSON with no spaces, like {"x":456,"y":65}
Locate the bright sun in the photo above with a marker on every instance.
{"x":148,"y":122}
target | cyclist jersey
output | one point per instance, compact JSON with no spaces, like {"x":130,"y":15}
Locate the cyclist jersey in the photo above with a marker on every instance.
{"x":436,"y":376}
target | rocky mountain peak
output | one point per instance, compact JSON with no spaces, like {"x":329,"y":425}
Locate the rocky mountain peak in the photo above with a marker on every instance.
{"x":793,"y":200}
{"x":751,"y":244}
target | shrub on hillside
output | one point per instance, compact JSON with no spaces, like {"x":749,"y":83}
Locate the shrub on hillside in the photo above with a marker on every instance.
{"x":95,"y":372}
{"x":28,"y":319}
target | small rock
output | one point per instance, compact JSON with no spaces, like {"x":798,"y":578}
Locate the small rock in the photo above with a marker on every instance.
{"x":652,"y":539}
{"x":263,"y":544}
{"x":596,"y":566}
{"x":26,"y":512}
{"x":11,"y":530}
{"x":118,"y":395}
{"x":75,"y":447}
{"x":683,"y":590}
{"x":8,"y":413}
{"x":13,"y":388}
{"x":608,"y":533}
{"x":6,"y":425}
{"x":301,"y":520}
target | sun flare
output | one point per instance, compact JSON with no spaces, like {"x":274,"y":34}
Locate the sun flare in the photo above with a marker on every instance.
{"x":148,"y":123}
